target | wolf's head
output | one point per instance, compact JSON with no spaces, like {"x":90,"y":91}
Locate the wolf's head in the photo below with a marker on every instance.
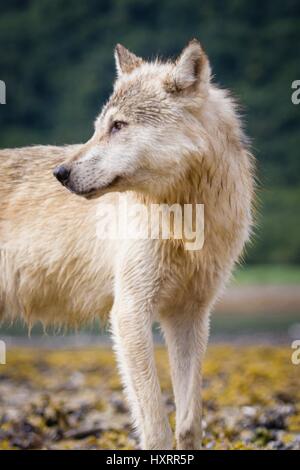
{"x":148,"y":129}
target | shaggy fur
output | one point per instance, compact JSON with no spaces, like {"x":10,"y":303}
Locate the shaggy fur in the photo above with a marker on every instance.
{"x":166,"y":135}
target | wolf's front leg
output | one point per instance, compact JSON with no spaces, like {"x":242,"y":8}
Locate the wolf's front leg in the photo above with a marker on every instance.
{"x":131,"y":325}
{"x":186,"y":334}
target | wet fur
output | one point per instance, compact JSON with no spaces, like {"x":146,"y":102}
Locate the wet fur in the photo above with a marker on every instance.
{"x":183,"y":143}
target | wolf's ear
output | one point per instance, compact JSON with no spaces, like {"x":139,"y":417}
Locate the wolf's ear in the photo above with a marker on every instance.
{"x":126,"y":61}
{"x":191,"y":70}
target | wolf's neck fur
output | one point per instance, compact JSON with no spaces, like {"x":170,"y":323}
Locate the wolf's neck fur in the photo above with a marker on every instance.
{"x":221,"y":170}
{"x":220,"y":177}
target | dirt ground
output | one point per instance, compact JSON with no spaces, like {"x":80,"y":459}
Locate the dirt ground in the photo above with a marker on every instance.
{"x":73,"y":399}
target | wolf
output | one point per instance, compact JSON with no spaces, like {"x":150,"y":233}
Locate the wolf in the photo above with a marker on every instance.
{"x":167,"y":135}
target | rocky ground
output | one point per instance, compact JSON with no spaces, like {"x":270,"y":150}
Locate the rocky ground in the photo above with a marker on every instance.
{"x":73,"y":400}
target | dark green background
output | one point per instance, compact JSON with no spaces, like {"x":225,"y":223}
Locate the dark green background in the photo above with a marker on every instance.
{"x":57,"y":61}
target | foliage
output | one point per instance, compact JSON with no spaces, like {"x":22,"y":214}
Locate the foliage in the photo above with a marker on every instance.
{"x":275,"y":274}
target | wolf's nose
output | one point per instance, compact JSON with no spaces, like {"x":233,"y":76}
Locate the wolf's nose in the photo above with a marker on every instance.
{"x":62,"y":173}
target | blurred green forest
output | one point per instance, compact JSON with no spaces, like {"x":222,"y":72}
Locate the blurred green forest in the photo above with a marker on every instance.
{"x":57,"y":61}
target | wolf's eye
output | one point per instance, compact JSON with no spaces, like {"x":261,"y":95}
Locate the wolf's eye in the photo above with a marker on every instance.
{"x":117,"y":126}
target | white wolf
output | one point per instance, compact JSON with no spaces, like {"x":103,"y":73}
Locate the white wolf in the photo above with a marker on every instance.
{"x":167,"y":135}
